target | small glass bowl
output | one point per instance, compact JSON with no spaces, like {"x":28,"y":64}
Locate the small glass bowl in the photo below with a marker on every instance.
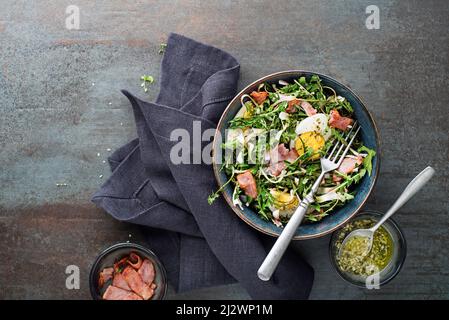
{"x":393,"y":267}
{"x":114,"y":253}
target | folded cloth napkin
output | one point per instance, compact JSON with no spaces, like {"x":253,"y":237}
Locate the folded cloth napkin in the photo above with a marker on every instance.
{"x":199,"y":244}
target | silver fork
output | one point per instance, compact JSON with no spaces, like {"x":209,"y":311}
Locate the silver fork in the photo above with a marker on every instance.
{"x":328,"y":163}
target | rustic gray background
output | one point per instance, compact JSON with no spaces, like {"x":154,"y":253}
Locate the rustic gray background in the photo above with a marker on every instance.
{"x":61,"y":106}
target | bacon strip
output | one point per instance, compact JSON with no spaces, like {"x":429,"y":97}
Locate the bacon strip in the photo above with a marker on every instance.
{"x":121,"y":264}
{"x":347,"y":166}
{"x":135,"y":260}
{"x":120,"y":282}
{"x":292,"y":155}
{"x":277,"y":156}
{"x":275,"y":169}
{"x":309,"y":110}
{"x":146,"y":271}
{"x":259,"y":97}
{"x":136,"y":283}
{"x":105,"y":275}
{"x":278,"y":153}
{"x":339,"y":122}
{"x":114,"y":293}
{"x":247,"y":182}
{"x":291,"y":105}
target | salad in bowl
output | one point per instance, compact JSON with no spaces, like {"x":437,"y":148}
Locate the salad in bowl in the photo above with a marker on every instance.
{"x":271,"y":148}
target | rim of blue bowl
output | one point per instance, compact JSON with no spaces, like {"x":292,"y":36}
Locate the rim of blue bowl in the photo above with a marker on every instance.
{"x":93,"y":274}
{"x":216,"y":167}
{"x":400,"y":263}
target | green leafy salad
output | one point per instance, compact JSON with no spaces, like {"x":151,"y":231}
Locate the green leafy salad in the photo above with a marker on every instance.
{"x":273,"y":147}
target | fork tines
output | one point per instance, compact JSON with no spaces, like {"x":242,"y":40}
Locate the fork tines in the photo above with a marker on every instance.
{"x":339,"y":145}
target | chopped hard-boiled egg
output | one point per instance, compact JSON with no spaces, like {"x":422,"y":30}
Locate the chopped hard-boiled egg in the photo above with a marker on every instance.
{"x":317,"y":122}
{"x":312,"y":140}
{"x":285,"y":203}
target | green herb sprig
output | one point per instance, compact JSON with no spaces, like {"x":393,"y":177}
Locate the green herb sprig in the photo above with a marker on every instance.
{"x":146,"y":80}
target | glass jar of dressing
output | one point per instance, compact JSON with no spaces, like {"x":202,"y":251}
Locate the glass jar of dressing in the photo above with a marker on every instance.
{"x":381,"y":264}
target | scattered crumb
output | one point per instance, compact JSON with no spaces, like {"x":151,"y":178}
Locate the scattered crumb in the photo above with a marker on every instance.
{"x":104,"y":161}
{"x":110,"y":103}
{"x":162,"y":48}
{"x":108,"y":149}
{"x":93,"y":83}
{"x":121,"y":123}
{"x":100,"y":176}
{"x":61,"y":184}
{"x":146,"y":80}
{"x":98,"y":154}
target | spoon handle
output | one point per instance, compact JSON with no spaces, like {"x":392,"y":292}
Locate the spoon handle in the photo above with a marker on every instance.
{"x":412,"y":188}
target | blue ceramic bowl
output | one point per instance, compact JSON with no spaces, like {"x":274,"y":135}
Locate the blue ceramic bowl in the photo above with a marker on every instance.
{"x":337,"y":218}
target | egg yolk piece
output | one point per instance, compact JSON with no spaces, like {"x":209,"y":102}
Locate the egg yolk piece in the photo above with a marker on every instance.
{"x":284,"y":200}
{"x":311,"y":139}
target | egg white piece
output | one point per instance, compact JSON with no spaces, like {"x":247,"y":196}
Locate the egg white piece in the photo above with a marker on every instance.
{"x":317,"y":123}
{"x":290,"y":208}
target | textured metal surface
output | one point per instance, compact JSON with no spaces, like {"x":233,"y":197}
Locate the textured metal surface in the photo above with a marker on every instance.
{"x":61,"y":106}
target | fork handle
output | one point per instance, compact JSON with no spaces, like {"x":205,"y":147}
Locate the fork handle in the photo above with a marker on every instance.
{"x":271,"y":261}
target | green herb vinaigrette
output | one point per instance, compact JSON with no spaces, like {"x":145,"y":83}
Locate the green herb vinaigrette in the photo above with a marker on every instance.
{"x":354,"y":259}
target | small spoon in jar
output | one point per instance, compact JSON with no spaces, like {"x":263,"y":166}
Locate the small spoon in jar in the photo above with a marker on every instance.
{"x":366,"y":235}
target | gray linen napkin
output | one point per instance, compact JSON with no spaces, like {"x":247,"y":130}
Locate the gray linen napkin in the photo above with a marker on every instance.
{"x":200,"y":244}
